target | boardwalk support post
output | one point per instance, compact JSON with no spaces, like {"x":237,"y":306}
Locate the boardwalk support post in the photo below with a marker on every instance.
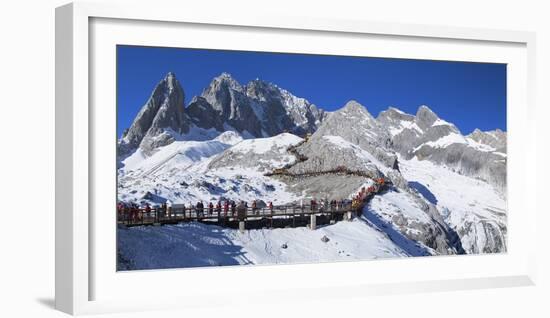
{"x":156,"y":222}
{"x":241,"y":226}
{"x":347,"y":216}
{"x":313,"y":222}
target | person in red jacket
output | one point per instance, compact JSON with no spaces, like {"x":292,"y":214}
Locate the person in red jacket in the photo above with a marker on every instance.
{"x":119,"y":210}
{"x":254,"y":207}
{"x":225,"y":208}
{"x":127,"y":213}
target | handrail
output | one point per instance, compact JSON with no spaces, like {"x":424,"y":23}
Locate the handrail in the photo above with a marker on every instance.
{"x":151,"y":215}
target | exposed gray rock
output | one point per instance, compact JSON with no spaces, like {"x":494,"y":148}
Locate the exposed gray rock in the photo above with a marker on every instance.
{"x":204,"y":115}
{"x":159,"y":121}
{"x":324,"y":155}
{"x":402,"y":127}
{"x":259,"y":108}
{"x":434,"y":233}
{"x":490,"y":233}
{"x":425,"y":117}
{"x":356,"y":125}
{"x":244,"y":154}
{"x":415,"y":136}
{"x":278,"y":110}
{"x":494,"y":138}
{"x":332,"y":187}
{"x":466,"y":160}
{"x":437,"y":234}
{"x":227,"y":98}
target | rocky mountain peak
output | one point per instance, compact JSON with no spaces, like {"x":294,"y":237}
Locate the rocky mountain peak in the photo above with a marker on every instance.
{"x":494,"y":138}
{"x":354,"y":108}
{"x":170,"y":76}
{"x":262,"y":90}
{"x":393,"y":114}
{"x":163,"y":113}
{"x":226,"y":80}
{"x":353,"y":105}
{"x":257,"y":82}
{"x":356,"y":125}
{"x":425,"y":117}
{"x":226,"y":96}
{"x":171,"y":80}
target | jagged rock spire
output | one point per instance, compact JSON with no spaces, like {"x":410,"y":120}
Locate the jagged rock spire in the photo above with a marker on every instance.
{"x":162,"y":113}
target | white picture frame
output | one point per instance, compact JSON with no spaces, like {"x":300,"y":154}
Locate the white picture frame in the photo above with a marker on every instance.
{"x":84,"y":282}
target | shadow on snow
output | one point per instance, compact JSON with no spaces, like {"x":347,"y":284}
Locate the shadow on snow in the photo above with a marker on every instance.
{"x":151,"y":247}
{"x":410,"y":247}
{"x":424,"y":191}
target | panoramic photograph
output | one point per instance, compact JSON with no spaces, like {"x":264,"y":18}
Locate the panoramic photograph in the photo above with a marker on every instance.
{"x":263,"y":158}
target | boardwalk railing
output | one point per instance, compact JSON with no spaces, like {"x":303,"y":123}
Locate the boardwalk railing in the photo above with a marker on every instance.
{"x":131,"y":216}
{"x":147,"y":216}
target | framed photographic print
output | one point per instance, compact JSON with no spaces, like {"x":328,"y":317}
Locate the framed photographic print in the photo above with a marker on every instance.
{"x":223,"y":148}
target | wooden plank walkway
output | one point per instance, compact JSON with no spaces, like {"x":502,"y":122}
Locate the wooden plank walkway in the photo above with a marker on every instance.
{"x":279,"y":216}
{"x":174,"y":215}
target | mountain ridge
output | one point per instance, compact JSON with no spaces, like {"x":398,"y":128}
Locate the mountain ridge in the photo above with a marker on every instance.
{"x":262,"y":109}
{"x":257,"y":109}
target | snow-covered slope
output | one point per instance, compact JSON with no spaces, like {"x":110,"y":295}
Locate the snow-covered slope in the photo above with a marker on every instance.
{"x":190,"y":171}
{"x":495,"y":139}
{"x":175,"y":155}
{"x":260,"y":154}
{"x":403,"y":215}
{"x":195,"y":244}
{"x":473,"y":208}
{"x":428,"y":137}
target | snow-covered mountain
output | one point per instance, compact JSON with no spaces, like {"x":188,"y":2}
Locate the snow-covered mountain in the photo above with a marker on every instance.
{"x":353,"y":138}
{"x":257,"y":109}
{"x":262,"y":109}
{"x":159,"y":120}
{"x":226,"y":167}
{"x":473,"y":208}
{"x":494,"y":138}
{"x":425,"y":136}
{"x":446,"y":197}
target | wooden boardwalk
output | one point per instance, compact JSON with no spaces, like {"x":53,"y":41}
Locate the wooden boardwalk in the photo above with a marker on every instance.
{"x":278,"y":216}
{"x":174,"y":215}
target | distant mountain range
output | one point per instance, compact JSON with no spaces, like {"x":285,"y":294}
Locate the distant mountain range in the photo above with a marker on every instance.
{"x":257,"y":109}
{"x":262,"y":109}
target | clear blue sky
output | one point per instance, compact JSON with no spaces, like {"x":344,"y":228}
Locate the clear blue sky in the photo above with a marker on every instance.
{"x":471,"y":95}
